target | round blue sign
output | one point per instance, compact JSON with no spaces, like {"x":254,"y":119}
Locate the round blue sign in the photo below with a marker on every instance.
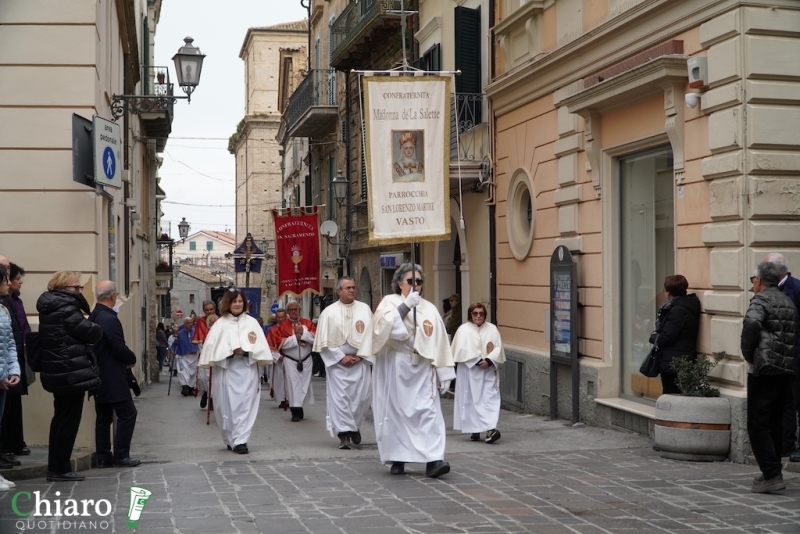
{"x":273,"y":308}
{"x":109,"y":163}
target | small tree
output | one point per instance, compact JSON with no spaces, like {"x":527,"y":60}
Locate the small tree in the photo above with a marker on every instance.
{"x":693,"y":375}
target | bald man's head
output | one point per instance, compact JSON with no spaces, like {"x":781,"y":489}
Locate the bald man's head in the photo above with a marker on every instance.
{"x":106,"y":293}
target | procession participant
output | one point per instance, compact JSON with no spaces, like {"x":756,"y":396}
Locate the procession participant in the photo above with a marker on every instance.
{"x":186,"y":356}
{"x":478,"y":349}
{"x":201,"y":328}
{"x":293,"y":340}
{"x":235,"y":347}
{"x":408,"y":339}
{"x":278,"y":385}
{"x":340,"y":331}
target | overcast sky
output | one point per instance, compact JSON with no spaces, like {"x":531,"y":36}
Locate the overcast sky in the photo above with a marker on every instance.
{"x":198,"y":171}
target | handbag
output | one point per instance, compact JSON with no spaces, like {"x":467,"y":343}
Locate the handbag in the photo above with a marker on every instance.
{"x":651,"y":367}
{"x":133,"y":384}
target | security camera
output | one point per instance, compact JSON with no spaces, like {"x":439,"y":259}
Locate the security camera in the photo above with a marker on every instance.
{"x":692,"y":99}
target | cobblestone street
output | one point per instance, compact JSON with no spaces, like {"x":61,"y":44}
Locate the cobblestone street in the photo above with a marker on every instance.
{"x":527,"y":482}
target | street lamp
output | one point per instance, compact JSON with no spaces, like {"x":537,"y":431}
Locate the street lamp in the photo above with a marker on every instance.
{"x":188,"y":63}
{"x":183,"y":229}
{"x":340,"y":185}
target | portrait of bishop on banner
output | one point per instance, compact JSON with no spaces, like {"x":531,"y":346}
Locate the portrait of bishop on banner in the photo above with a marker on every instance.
{"x":408,"y":156}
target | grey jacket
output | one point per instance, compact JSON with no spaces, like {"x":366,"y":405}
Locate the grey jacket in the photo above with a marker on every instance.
{"x":769,"y":333}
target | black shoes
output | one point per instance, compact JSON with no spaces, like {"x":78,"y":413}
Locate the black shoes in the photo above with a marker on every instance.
{"x":398,"y":468}
{"x":241,"y":449}
{"x":24,"y":451}
{"x":344,"y":440}
{"x":186,"y":391}
{"x":127,"y":462}
{"x":283,"y":404}
{"x":795,"y":456}
{"x":355,"y":437}
{"x":300,"y":413}
{"x":475,"y":436}
{"x":295,"y":415}
{"x":72,"y":476}
{"x":437,"y":469}
{"x":8,"y":459}
{"x":492,"y":436}
{"x":204,"y":400}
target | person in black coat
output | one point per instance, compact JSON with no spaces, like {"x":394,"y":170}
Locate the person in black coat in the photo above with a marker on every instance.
{"x":677,"y":325}
{"x":114,"y":395}
{"x":789,"y":286}
{"x":68,"y":368}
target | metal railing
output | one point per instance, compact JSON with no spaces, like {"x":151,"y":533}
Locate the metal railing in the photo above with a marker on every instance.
{"x":317,"y":89}
{"x":466,"y":113}
{"x":357,"y":16}
{"x":156,"y":83}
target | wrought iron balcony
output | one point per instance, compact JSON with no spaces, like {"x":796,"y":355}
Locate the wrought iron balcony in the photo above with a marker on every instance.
{"x":164,"y":268}
{"x":313,"y":109}
{"x":466,"y":113}
{"x":362,"y":29}
{"x":156,"y":113}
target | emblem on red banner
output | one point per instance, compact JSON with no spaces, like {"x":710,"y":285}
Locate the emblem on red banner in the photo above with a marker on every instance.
{"x":297,"y":251}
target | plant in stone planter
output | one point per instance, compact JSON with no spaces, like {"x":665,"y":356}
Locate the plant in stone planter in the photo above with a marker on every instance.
{"x":696,"y":424}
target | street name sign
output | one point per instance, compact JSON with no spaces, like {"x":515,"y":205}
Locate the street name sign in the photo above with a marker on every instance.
{"x":107,"y":151}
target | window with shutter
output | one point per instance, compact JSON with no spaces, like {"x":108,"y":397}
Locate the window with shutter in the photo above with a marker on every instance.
{"x":468,"y":61}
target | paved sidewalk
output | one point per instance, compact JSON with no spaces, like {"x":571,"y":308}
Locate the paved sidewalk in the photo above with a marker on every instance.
{"x":542,"y":476}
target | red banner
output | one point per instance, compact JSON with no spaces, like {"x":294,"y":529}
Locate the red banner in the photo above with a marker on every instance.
{"x":297,"y":250}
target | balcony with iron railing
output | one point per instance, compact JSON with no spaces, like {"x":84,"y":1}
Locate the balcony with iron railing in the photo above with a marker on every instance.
{"x":313,"y":109}
{"x":362,"y":28}
{"x":469,"y":138}
{"x":156,"y":113}
{"x":164,"y":267}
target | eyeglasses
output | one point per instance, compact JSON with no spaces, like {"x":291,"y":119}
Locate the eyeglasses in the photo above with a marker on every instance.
{"x":416,"y":281}
{"x":76,"y":288}
{"x":478,"y":314}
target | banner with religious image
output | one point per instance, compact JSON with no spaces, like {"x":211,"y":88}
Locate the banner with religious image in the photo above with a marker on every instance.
{"x":408,"y":157}
{"x":297,"y":251}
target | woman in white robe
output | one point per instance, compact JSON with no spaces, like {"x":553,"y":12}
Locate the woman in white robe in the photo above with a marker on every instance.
{"x":235,"y":347}
{"x":408,"y":339}
{"x":478,"y":349}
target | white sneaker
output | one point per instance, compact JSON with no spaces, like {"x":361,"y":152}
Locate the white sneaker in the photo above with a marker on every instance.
{"x":4,"y":486}
{"x":4,"y":480}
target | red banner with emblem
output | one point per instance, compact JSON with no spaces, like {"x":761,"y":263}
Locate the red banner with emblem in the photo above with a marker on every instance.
{"x":297,"y":250}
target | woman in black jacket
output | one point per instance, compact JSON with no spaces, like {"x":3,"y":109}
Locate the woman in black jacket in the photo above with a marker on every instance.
{"x":677,"y":324}
{"x":68,"y":367}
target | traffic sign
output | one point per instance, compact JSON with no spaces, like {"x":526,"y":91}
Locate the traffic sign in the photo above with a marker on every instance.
{"x":107,"y":150}
{"x":274,"y":307}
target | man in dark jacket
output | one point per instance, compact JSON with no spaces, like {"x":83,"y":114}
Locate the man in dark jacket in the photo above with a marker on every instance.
{"x":114,"y":358}
{"x":790,"y":287}
{"x":769,"y":337}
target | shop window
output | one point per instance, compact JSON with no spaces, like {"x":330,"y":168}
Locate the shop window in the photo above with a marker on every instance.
{"x":521,"y":214}
{"x":647,"y":239}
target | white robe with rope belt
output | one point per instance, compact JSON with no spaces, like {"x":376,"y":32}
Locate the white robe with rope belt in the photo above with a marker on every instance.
{"x":236,"y":383}
{"x":298,"y":383}
{"x":340,"y":331}
{"x":409,"y":425}
{"x":477,"y":398}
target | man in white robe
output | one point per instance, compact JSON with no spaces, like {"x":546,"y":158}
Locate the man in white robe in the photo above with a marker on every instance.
{"x":340,"y":332}
{"x":408,"y":339}
{"x":478,"y":350}
{"x":186,"y":356}
{"x":293,"y":340}
{"x":235,"y":347}
{"x":277,"y":377}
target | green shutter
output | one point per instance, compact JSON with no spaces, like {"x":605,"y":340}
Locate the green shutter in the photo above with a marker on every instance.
{"x":468,"y":49}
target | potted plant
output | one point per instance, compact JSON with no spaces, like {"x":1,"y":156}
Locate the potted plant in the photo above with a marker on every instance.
{"x":695,"y":425}
{"x":160,"y":77}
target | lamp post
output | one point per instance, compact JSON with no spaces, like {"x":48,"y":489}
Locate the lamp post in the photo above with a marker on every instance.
{"x":188,"y":64}
{"x":183,"y":229}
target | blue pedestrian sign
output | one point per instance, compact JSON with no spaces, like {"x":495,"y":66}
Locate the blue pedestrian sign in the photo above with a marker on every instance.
{"x":107,"y":149}
{"x":274,"y":307}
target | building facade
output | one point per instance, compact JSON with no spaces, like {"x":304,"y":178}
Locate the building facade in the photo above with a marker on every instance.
{"x":205,"y":247}
{"x":596,"y":150}
{"x":102,"y":232}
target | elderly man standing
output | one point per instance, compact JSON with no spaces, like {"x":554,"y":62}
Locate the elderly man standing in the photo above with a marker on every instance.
{"x":201,"y":328}
{"x":186,"y":353}
{"x":769,"y":337}
{"x":340,"y":332}
{"x":293,"y":340}
{"x":114,"y":358}
{"x":408,"y":339}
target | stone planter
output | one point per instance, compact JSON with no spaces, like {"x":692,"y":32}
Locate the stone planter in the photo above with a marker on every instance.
{"x":693,"y":428}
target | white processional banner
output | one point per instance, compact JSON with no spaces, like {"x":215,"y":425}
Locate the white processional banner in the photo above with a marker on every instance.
{"x":408,"y":148}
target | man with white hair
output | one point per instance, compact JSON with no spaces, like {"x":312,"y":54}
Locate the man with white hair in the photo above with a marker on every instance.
{"x":340,"y":332}
{"x":790,"y":287}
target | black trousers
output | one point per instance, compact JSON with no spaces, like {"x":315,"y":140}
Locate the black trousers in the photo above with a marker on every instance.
{"x":11,"y":436}
{"x":790,"y":414}
{"x":766,"y":398}
{"x":126,"y":421}
{"x":669,"y":383}
{"x":67,"y":411}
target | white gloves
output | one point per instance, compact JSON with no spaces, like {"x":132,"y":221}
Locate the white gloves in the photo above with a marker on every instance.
{"x":412,"y":300}
{"x":444,"y":386}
